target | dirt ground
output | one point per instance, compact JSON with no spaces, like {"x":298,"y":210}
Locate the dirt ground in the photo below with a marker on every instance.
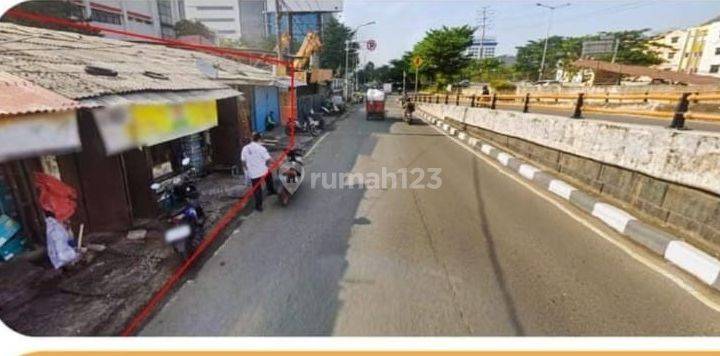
{"x":101,"y":293}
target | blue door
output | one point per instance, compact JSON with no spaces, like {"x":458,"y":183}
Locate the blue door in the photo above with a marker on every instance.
{"x":266,"y":103}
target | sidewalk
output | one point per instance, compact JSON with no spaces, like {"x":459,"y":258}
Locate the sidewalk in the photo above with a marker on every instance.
{"x":107,"y":288}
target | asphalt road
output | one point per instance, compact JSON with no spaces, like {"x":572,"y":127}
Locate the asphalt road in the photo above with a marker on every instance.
{"x":481,"y":255}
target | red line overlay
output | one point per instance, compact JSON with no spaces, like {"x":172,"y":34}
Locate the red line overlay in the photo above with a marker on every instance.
{"x":137,"y":321}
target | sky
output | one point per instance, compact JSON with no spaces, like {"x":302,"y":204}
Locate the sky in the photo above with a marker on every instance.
{"x":401,"y":23}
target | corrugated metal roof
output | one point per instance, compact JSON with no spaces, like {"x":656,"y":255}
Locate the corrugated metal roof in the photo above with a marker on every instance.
{"x":162,"y":97}
{"x":635,"y":70}
{"x":19,"y":96}
{"x":57,"y":61}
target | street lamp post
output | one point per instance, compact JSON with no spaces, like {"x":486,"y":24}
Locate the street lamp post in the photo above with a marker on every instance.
{"x":347,"y":57}
{"x":547,"y":34}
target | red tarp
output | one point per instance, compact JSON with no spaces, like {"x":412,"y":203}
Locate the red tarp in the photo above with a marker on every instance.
{"x":56,"y":196}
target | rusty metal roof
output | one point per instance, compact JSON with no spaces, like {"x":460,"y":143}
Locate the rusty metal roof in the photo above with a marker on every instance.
{"x":640,"y":71}
{"x":19,"y":97}
{"x":57,"y":61}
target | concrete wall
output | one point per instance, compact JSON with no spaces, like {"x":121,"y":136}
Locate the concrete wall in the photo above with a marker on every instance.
{"x":668,"y":176}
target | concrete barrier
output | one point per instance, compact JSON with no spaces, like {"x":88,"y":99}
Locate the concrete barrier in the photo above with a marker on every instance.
{"x":687,"y":157}
{"x":671,"y":177}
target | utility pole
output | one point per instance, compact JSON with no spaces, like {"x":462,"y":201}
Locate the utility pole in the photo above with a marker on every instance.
{"x":347,"y":57}
{"x":483,"y":25}
{"x":615,"y":50}
{"x":547,"y":34}
{"x":347,"y":80}
{"x":404,"y":76}
{"x":278,"y":34}
{"x":416,"y":79}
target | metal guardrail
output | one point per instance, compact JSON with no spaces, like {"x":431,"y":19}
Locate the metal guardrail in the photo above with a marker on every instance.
{"x":581,"y":102}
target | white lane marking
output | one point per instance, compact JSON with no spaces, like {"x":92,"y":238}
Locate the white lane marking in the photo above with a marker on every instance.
{"x":528,"y":171}
{"x":623,"y":244}
{"x":462,"y":136}
{"x":694,"y":261}
{"x":486,"y":149}
{"x":504,"y":158}
{"x":316,"y":143}
{"x":561,"y":188}
{"x":615,"y":217}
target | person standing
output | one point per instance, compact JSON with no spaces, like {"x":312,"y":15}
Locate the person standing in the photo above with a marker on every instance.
{"x":255,"y":158}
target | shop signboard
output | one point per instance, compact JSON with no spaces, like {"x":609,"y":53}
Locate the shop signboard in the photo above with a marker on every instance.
{"x":129,"y":126}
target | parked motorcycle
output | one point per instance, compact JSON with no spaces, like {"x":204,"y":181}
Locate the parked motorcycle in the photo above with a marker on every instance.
{"x":307,"y":125}
{"x":332,"y":109}
{"x":291,"y":174}
{"x":187,"y":217}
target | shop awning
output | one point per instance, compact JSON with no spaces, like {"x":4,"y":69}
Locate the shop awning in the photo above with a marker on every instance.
{"x":145,"y":119}
{"x":168,"y":97}
{"x":34,"y":120}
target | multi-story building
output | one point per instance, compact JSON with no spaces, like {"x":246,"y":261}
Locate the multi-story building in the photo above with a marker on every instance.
{"x":482,"y":48}
{"x":709,"y":63}
{"x":125,"y":15}
{"x":169,"y":12}
{"x":301,"y":16}
{"x":695,"y":50}
{"x":670,"y":48}
{"x":220,"y":16}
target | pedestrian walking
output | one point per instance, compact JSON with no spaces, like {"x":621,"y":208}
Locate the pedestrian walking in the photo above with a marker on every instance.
{"x":255,"y":158}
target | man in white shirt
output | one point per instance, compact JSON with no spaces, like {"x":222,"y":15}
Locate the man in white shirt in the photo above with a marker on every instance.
{"x":255,"y":158}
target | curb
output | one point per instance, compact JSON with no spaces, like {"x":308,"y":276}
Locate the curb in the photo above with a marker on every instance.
{"x":685,"y":256}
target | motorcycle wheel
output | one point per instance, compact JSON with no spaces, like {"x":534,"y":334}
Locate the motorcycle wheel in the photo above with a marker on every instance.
{"x":181,"y":249}
{"x":284,"y":197}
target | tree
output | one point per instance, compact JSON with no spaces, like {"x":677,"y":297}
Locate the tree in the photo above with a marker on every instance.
{"x":635,"y":47}
{"x":192,"y":28}
{"x":334,"y":36}
{"x":59,"y":9}
{"x":443,"y":52}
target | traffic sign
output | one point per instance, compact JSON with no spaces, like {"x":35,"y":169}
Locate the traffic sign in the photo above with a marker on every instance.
{"x":417,"y":61}
{"x":371,"y":45}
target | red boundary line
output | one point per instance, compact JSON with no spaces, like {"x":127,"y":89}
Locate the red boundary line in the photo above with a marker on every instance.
{"x":132,"y":327}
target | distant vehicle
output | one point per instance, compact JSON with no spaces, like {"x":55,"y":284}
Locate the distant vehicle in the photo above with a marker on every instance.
{"x":464,"y":83}
{"x":387,"y":88}
{"x":375,"y":104}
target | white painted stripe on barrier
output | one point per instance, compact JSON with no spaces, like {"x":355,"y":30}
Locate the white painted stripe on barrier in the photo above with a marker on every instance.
{"x":616,"y":218}
{"x":561,"y":188}
{"x":692,"y":260}
{"x":462,"y":136}
{"x":452,"y":130}
{"x":504,"y":158}
{"x":486,"y":149}
{"x":445,"y":127}
{"x":472,"y":141}
{"x":528,"y":171}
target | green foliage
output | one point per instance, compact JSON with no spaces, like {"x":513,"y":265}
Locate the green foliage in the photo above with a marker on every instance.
{"x":190,"y":28}
{"x":60,"y":9}
{"x":635,"y":48}
{"x":502,"y":85}
{"x":443,"y":53}
{"x":334,"y":36}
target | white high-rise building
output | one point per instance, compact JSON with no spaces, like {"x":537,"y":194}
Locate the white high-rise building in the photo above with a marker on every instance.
{"x":481,"y":49}
{"x":220,"y":16}
{"x":125,"y":15}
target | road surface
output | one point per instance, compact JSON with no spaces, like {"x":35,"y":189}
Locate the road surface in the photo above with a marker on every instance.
{"x":484,"y":254}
